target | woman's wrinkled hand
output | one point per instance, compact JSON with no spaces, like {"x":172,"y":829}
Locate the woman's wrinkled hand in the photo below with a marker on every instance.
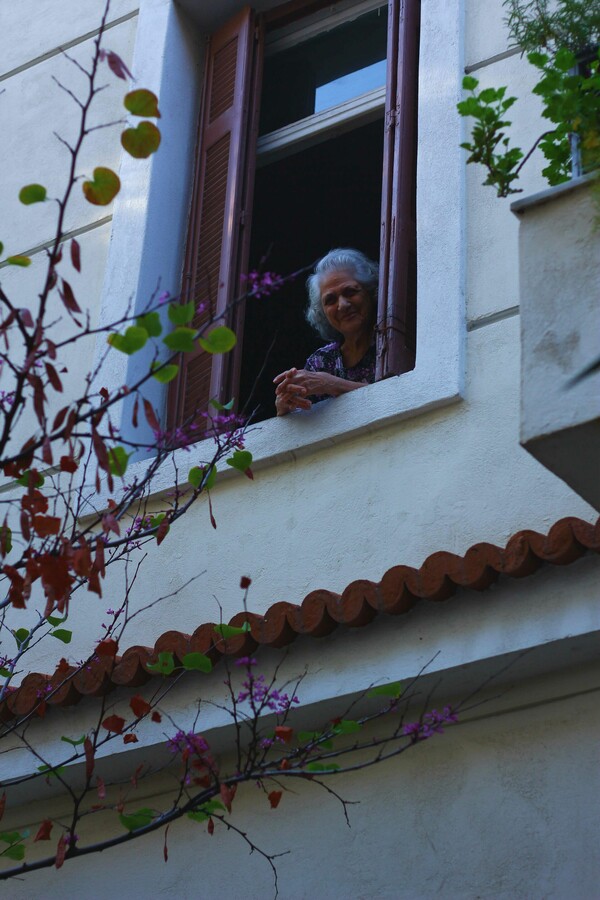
{"x":295,"y":385}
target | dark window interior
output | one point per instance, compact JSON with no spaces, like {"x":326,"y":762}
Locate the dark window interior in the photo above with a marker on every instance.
{"x":293,"y":77}
{"x":304,"y":205}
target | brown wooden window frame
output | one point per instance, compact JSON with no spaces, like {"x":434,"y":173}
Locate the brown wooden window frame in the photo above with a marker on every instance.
{"x":219,"y":232}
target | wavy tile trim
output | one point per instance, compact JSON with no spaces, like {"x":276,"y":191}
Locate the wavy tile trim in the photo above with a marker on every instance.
{"x":319,"y":613}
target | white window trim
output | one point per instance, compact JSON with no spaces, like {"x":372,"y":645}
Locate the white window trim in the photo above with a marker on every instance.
{"x":321,"y":126}
{"x":150,"y":220}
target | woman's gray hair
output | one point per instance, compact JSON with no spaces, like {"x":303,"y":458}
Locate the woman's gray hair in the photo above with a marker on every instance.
{"x":365,"y":271}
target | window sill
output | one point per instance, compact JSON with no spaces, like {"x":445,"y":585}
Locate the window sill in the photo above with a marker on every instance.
{"x":327,"y":424}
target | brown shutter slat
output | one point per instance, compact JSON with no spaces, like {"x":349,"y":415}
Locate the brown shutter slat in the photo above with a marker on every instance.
{"x":213,"y":238}
{"x":397,"y":288}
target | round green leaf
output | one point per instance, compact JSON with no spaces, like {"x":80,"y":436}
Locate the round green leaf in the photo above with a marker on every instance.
{"x":141,"y":141}
{"x":117,"y":460}
{"x":142,"y":103}
{"x":22,"y":261}
{"x":32,"y":193}
{"x":181,"y":339}
{"x":151,"y":323}
{"x":130,"y":342}
{"x":241,"y":460}
{"x":164,"y":374}
{"x":181,"y":313}
{"x":104,"y":188}
{"x":219,"y":340}
{"x":196,"y":662}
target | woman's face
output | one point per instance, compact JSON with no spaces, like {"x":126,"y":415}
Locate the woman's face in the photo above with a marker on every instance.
{"x":346,"y":304}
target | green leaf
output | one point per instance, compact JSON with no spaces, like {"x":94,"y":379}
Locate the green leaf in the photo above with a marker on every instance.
{"x":118,"y":459}
{"x":16,"y":852}
{"x":181,"y":339}
{"x":164,"y":374}
{"x":55,"y":620}
{"x":27,"y":476}
{"x":181,"y":313}
{"x":11,"y":837}
{"x":347,"y":726}
{"x":22,"y":261}
{"x":222,"y":407}
{"x":5,"y":673}
{"x":1,"y":248}
{"x":322,"y":767}
{"x":229,"y":631}
{"x":151,"y":323}
{"x":241,"y":460}
{"x":51,"y":770}
{"x":196,"y":474}
{"x":141,"y":141}
{"x":142,"y":103}
{"x":393,"y":690}
{"x":104,"y":187}
{"x":469,"y":83}
{"x":197,"y":662}
{"x":62,"y":634}
{"x":164,"y":665}
{"x":72,"y":742}
{"x":205,"y":811}
{"x":130,"y":342}
{"x":219,"y":340}
{"x":138,"y":819}
{"x":32,"y":193}
{"x":21,"y":637}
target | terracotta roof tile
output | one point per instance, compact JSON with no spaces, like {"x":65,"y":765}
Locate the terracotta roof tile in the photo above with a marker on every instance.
{"x":321,"y":611}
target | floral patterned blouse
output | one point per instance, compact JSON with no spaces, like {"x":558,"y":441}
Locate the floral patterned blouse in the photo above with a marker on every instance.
{"x":329,"y":359}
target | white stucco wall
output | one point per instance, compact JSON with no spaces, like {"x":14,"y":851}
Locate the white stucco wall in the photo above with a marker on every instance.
{"x":387,"y":475}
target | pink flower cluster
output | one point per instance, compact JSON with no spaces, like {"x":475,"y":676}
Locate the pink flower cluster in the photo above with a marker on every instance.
{"x":432,"y":723}
{"x":262,"y":284}
{"x":262,"y":696}
{"x":194,"y":743}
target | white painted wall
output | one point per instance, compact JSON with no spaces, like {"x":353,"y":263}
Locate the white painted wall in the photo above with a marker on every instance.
{"x":386,"y":475}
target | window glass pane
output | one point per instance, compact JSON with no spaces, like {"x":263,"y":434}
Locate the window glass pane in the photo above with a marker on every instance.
{"x":325,"y":70}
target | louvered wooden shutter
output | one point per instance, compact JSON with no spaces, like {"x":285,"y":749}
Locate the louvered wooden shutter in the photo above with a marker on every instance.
{"x":397,"y":282}
{"x":214,"y":234}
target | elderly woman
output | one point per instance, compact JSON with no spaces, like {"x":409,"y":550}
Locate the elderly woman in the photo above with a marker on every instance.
{"x":342,"y":307}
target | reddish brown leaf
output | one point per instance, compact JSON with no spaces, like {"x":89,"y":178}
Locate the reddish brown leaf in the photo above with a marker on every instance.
{"x":274,"y":798}
{"x":47,"y":451}
{"x":25,"y":529}
{"x":26,"y":318}
{"x":44,"y":831}
{"x":47,"y":525}
{"x":165,"y":848}
{"x":210,"y":826}
{"x":227,"y":795}
{"x":163,"y":530}
{"x":76,"y":255}
{"x":284,"y":733}
{"x":51,"y":348}
{"x":110,"y":523}
{"x":89,"y":757}
{"x":107,"y":647}
{"x":151,"y":416}
{"x":63,"y":667}
{"x":245,"y":582}
{"x":156,"y":717}
{"x":134,"y":415}
{"x":114,"y":723}
{"x":139,"y":706}
{"x":284,"y":764}
{"x":68,"y":464}
{"x":53,"y":377}
{"x":68,"y":297}
{"x":59,"y":418}
{"x":130,"y":739}
{"x":136,"y":775}
{"x":101,"y":788}
{"x":100,"y":450}
{"x":61,"y":849}
{"x":117,"y":66}
{"x":249,"y":474}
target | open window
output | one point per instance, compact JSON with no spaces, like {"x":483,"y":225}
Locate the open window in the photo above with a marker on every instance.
{"x":307,"y":142}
